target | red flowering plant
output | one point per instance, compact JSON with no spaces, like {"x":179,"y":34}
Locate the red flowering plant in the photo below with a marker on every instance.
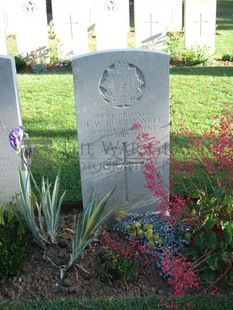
{"x":119,"y":257}
{"x":204,"y":208}
{"x":207,"y":205}
{"x":141,"y":236}
{"x":178,"y":271}
{"x":207,"y":177}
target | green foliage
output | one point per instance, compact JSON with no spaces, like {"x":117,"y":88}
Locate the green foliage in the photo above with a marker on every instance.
{"x":14,"y":241}
{"x":87,"y":225}
{"x":20,"y":63}
{"x":227,"y":57}
{"x":50,"y":206}
{"x":42,"y":215}
{"x":115,"y":266}
{"x":39,"y":68}
{"x":211,"y":212}
{"x":174,"y":46}
{"x":187,"y":56}
{"x":53,"y":44}
{"x":213,"y":233}
{"x":196,"y":56}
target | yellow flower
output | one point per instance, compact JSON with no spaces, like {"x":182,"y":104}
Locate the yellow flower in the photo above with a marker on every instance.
{"x":149,"y":231}
{"x":137,"y":224}
{"x":139,"y":231}
{"x":122,"y":212}
{"x":128,"y":227}
{"x":156,"y":236}
{"x":134,"y":234}
{"x":148,"y":226}
{"x":151,"y":243}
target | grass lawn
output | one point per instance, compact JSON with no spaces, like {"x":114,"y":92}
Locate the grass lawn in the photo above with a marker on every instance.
{"x":48,"y":111}
{"x":224,"y":28}
{"x":205,"y":302}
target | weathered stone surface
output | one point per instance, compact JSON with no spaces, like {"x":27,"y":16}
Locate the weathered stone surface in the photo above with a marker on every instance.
{"x":114,"y":90}
{"x":9,"y":118}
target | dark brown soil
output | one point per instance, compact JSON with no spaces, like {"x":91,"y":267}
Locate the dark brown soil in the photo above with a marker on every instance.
{"x":40,"y":278}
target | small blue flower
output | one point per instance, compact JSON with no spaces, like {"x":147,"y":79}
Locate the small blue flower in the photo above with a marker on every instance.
{"x":16,"y":136}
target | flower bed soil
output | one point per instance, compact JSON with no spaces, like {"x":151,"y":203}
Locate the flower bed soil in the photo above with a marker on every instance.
{"x":40,"y":279}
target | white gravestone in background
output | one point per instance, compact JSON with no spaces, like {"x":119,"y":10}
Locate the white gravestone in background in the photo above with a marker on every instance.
{"x":3,"y":45}
{"x":174,"y":15}
{"x":32,"y":30}
{"x":112,"y":24}
{"x":10,"y":12}
{"x":92,"y":14}
{"x":114,"y":90}
{"x":71,"y":21}
{"x":150,"y":23}
{"x":200,"y":23}
{"x":9,"y":119}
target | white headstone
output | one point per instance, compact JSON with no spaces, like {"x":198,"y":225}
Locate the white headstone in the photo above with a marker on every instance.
{"x":114,"y":90}
{"x":9,"y":119}
{"x":150,"y":23}
{"x":3,"y":45}
{"x":92,"y":14}
{"x":112,"y":24}
{"x":32,"y":30}
{"x":174,"y":15}
{"x":10,"y":12}
{"x":71,"y":21}
{"x":200,"y":23}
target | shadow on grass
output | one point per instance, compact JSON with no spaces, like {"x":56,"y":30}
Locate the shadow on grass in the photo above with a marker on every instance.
{"x":50,"y":71}
{"x":211,"y":71}
{"x":225,"y":25}
{"x":50,"y":134}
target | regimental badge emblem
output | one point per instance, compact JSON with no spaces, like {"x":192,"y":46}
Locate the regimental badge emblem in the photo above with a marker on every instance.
{"x":111,"y":5}
{"x":29,"y":7}
{"x":122,"y":85}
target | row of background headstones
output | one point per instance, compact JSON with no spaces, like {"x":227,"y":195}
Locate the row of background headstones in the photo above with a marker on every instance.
{"x":110,"y":21}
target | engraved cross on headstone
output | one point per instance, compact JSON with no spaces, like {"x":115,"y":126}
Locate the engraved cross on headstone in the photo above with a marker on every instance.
{"x":125,"y":164}
{"x":151,"y":22}
{"x":71,"y":26}
{"x":173,"y":13}
{"x":200,"y":22}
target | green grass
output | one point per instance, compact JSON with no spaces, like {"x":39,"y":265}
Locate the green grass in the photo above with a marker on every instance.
{"x":48,"y":108}
{"x":48,"y":111}
{"x":47,"y":104}
{"x":205,"y":302}
{"x":224,"y":28}
{"x":197,"y":93}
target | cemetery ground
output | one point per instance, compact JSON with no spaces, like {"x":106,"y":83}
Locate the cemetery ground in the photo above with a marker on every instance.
{"x":197,"y":94}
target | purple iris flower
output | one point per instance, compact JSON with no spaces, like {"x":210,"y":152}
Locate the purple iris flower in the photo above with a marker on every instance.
{"x":16,"y":136}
